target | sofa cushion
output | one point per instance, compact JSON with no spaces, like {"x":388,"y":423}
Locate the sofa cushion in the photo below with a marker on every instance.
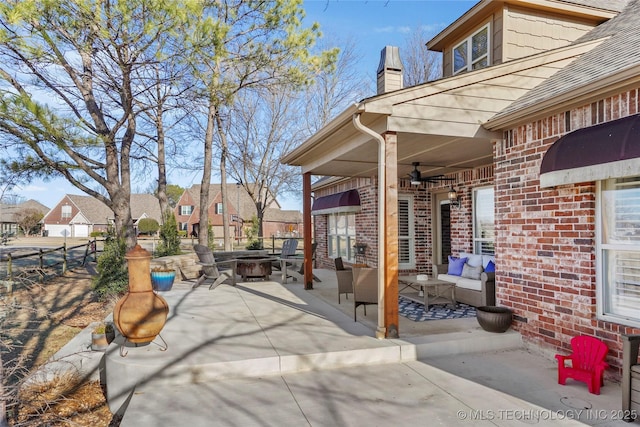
{"x":472,"y":259}
{"x":471,"y":272}
{"x":472,"y":284}
{"x":448,"y":278}
{"x":456,"y":265}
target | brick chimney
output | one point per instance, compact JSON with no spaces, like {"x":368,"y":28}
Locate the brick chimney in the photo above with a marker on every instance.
{"x":389,"y":70}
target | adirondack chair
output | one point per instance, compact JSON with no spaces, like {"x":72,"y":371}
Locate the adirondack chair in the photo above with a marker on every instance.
{"x":587,"y":362}
{"x":289,"y":247}
{"x":210,"y":268}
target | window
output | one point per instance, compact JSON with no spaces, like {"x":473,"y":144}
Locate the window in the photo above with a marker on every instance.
{"x":186,"y":210}
{"x":473,"y":53}
{"x":184,"y":226}
{"x":66,"y":211}
{"x":406,"y":246}
{"x":342,"y":236}
{"x":484,"y":228}
{"x":618,"y":250}
{"x":219,"y":208}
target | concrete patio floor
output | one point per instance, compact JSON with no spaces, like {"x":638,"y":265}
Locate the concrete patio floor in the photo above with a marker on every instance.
{"x":263,"y":354}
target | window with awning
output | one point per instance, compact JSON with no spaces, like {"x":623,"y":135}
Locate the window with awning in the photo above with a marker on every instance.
{"x":344,"y":202}
{"x":604,"y":151}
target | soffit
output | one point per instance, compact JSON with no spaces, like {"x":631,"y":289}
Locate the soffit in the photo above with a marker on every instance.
{"x":438,"y":124}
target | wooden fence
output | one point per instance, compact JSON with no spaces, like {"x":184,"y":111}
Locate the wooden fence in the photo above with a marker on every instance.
{"x":57,"y":260}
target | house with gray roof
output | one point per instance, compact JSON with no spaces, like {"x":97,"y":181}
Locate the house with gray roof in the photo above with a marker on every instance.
{"x":526,"y":152}
{"x":79,"y":216}
{"x":10,"y":212}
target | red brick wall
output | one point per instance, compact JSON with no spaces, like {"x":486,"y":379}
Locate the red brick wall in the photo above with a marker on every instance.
{"x":545,"y":264}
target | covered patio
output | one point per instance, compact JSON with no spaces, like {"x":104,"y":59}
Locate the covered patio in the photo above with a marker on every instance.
{"x":435,"y":128}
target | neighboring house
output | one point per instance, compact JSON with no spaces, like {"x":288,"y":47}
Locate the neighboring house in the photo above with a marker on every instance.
{"x":8,"y":223}
{"x":532,"y":141}
{"x":79,"y":216}
{"x":242,"y":208}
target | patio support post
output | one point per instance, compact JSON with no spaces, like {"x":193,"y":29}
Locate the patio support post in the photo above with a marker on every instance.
{"x":306,"y":230}
{"x":387,"y":230}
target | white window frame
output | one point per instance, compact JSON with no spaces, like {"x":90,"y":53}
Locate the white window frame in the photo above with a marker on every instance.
{"x":470,"y":62}
{"x":604,"y":248}
{"x":219,"y":209}
{"x":66,"y":211}
{"x":348,"y":238}
{"x":186,"y":209}
{"x":410,"y":238}
{"x":477,"y":241}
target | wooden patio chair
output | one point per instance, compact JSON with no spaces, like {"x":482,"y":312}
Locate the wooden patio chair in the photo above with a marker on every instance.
{"x":365,"y":288}
{"x":345,"y":279}
{"x":289,"y":248}
{"x":587,"y":362}
{"x":313,"y":258}
{"x":210,"y":268}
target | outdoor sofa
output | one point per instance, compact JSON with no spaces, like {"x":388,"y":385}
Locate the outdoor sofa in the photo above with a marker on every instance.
{"x":474,"y":276}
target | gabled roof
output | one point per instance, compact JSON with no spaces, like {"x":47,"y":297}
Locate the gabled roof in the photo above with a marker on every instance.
{"x":7,"y":211}
{"x":439,"y":121}
{"x":615,"y":61}
{"x":97,"y":212}
{"x":594,"y":10}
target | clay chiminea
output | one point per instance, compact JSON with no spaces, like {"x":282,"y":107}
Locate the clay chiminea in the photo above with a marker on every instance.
{"x":141,"y":313}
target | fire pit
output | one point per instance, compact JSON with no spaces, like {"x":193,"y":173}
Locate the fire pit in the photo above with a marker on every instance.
{"x":254,"y":267}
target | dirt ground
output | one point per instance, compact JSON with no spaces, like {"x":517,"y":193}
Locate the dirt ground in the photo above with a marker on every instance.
{"x":40,"y":319}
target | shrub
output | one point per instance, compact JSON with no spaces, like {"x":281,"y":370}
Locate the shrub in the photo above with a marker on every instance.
{"x":148,"y":226}
{"x":253,"y":242}
{"x":112,"y":278}
{"x":169,"y":237}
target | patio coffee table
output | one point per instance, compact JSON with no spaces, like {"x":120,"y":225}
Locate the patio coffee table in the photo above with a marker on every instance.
{"x":435,"y":291}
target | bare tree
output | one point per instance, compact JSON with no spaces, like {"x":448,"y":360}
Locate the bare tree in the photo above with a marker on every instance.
{"x":420,"y":64}
{"x":264,"y":127}
{"x":335,"y":88}
{"x":28,"y":219}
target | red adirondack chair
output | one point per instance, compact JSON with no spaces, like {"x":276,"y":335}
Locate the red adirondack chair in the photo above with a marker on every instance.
{"x":587,"y":362}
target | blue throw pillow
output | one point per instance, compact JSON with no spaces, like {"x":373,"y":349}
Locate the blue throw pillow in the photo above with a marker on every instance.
{"x":491,"y":267}
{"x":456,"y":265}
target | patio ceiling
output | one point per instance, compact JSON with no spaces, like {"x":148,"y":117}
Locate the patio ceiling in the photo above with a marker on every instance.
{"x":438,"y":124}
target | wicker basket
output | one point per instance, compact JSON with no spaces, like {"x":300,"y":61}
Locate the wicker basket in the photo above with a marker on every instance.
{"x":494,"y":319}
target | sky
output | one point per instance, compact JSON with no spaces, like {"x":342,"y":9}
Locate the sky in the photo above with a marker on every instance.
{"x":372,"y":25}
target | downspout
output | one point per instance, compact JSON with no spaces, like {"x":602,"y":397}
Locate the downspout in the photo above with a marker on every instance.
{"x":382,"y":220}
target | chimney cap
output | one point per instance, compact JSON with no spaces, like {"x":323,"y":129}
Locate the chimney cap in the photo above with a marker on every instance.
{"x":390,"y":59}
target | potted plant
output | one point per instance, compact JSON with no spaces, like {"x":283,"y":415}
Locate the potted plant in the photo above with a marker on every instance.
{"x":101,"y":336}
{"x":162,"y":278}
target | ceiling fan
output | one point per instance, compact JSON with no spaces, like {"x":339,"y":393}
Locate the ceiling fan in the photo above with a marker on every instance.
{"x":416,"y":177}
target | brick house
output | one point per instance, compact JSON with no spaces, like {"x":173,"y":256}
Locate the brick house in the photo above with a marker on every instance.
{"x":79,"y":216}
{"x":527,"y":148}
{"x":277,"y":222}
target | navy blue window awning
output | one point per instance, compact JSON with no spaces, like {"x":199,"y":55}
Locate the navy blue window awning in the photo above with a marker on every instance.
{"x":345,"y":202}
{"x":607,"y":150}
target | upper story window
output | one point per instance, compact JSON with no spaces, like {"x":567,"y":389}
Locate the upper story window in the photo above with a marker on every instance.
{"x":472,"y":53}
{"x":186,"y":210}
{"x":66,"y":211}
{"x":219,"y":208}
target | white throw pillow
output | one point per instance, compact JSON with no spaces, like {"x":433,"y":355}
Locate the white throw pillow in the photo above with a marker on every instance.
{"x":472,"y":259}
